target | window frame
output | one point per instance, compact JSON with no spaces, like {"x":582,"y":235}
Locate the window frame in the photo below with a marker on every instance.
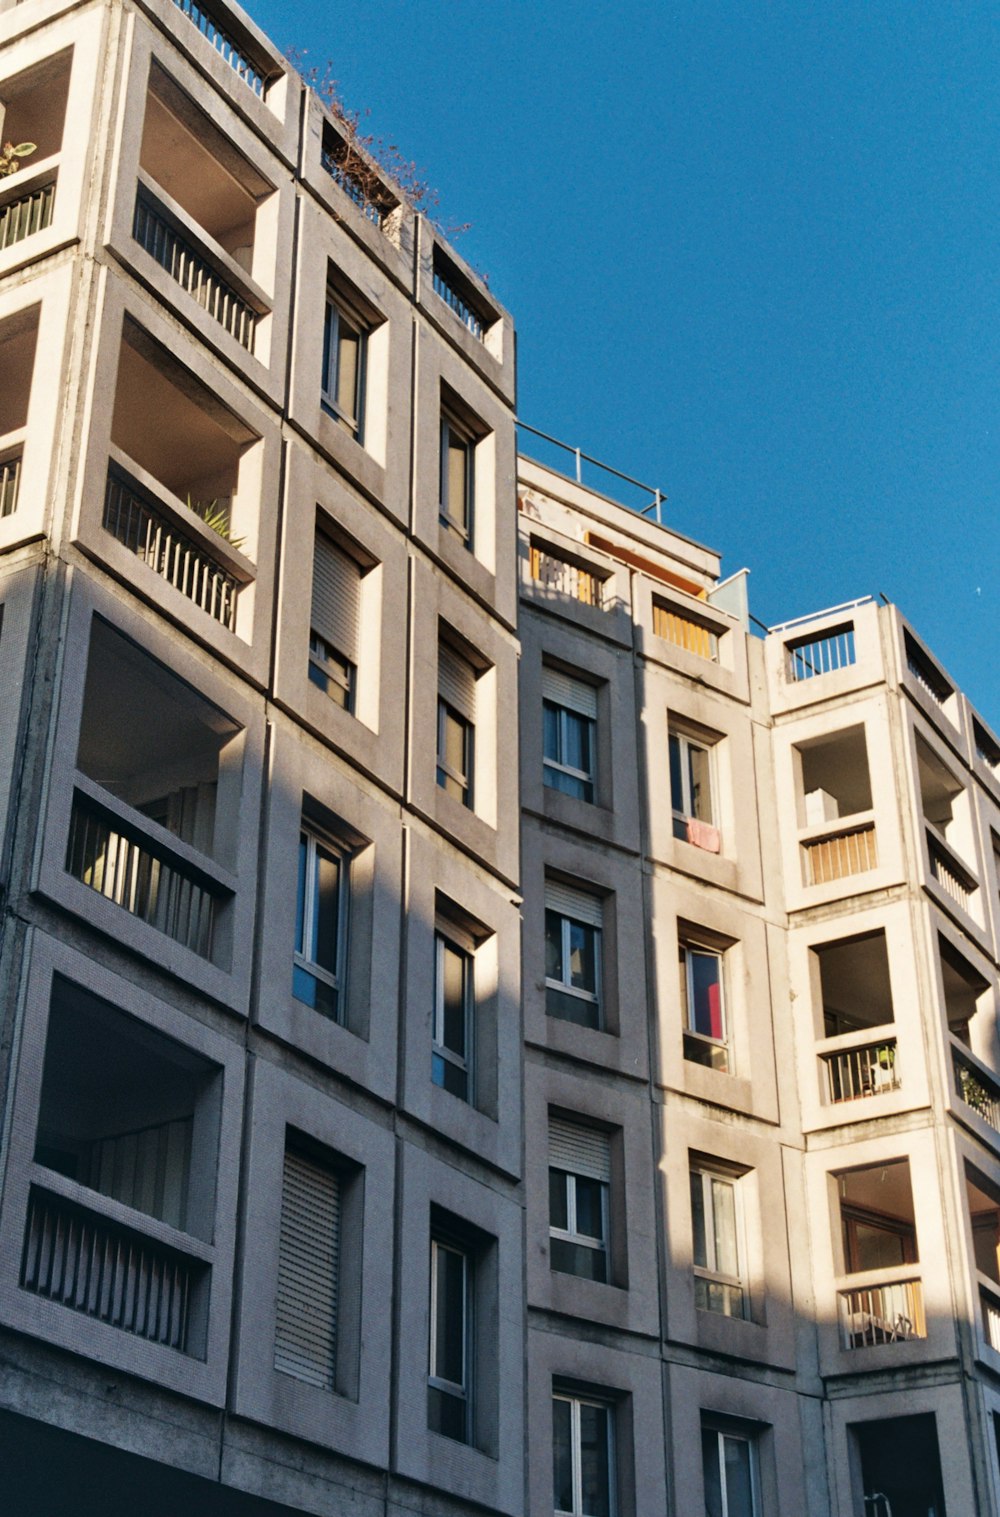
{"x":717,"y":1431}
{"x":592,"y":998}
{"x":685,"y":807}
{"x":555,"y":764}
{"x":449,"y":937}
{"x":464,"y":523}
{"x":576,"y":1401}
{"x":316,"y":837}
{"x":327,"y":663}
{"x":338,"y":310}
{"x":709,"y":1175}
{"x":464,"y":778}
{"x":700,"y":1047}
{"x":598,"y":1244}
{"x":459,"y":1392}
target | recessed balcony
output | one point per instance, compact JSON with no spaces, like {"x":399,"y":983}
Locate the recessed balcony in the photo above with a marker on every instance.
{"x":33,"y":110}
{"x":977,"y":1090}
{"x":860,"y":1069}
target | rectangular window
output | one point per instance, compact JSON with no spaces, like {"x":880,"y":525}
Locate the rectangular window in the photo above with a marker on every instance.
{"x":691,"y":790}
{"x":569,"y":722}
{"x":715,"y":1224}
{"x":305,"y":1335}
{"x":573,"y":921}
{"x":345,"y":342}
{"x":706,"y":1039}
{"x":579,"y":1184}
{"x":457,"y":489}
{"x":321,"y":924}
{"x":454,"y":1004}
{"x":333,"y":633}
{"x":582,"y":1457}
{"x":729,"y":1465}
{"x":449,"y":1399}
{"x":456,"y":724}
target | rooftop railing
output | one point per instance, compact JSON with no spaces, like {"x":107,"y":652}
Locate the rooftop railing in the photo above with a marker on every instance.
{"x":954,"y":880}
{"x":823,"y":654}
{"x":183,"y":262}
{"x":124,"y":867}
{"x":10,"y":479}
{"x":30,"y":212}
{"x":462,"y":309}
{"x":134,"y":519}
{"x":369,"y":204}
{"x":977,"y":1090}
{"x":845,"y":853}
{"x":238,"y":60}
{"x":94,"y":1265}
{"x":925,"y":673}
{"x":872,"y":1315}
{"x":853,"y":1073}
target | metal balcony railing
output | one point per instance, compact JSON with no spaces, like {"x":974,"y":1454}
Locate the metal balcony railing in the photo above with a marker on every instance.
{"x":847,"y":853}
{"x":685,"y":632}
{"x":991,"y":1318}
{"x":224,"y":45}
{"x":824,"y":654}
{"x":977,"y":1091}
{"x":135,"y":520}
{"x":925,"y":673}
{"x":123,"y":867}
{"x":95,"y":1266}
{"x":944,"y":870}
{"x":31,"y":212}
{"x":871,"y":1315}
{"x":182,"y":261}
{"x":463,"y":310}
{"x":367,"y":199}
{"x":857,"y":1072}
{"x":559,"y":575}
{"x":10,"y":479}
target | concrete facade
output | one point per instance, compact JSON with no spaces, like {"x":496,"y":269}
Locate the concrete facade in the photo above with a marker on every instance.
{"x":481,"y":1031}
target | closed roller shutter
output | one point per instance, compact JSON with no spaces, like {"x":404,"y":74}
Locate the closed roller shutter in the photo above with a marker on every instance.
{"x":573,"y":694}
{"x":579,"y":1150}
{"x":578,"y":905}
{"x":457,"y":682}
{"x":336,"y":598}
{"x":308,"y":1260}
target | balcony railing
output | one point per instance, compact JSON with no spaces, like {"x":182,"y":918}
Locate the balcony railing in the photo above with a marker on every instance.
{"x":987,"y":750}
{"x":925,"y":673}
{"x":367,"y":197}
{"x":125,"y":868}
{"x":224,"y":45}
{"x":991,"y":1318}
{"x":854,"y":1073}
{"x":465,"y":312}
{"x":834,"y":858}
{"x":559,"y":575}
{"x":182,"y":261}
{"x":944,"y":869}
{"x":821,"y":655}
{"x":685,"y":632}
{"x":10,"y":479}
{"x":871,"y":1315}
{"x":95,"y":1266}
{"x":31,"y":212}
{"x":977,"y":1091}
{"x":134,"y":519}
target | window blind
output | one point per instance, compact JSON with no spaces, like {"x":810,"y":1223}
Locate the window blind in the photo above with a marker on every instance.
{"x":578,"y":905}
{"x":571,"y":693}
{"x":308,"y":1263}
{"x":579,"y":1150}
{"x":336,"y":597}
{"x":457,"y":682}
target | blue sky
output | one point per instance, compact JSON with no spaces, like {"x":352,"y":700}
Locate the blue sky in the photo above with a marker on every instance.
{"x":753,"y":255}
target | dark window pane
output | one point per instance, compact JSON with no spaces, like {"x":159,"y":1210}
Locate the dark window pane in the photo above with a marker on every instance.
{"x":706,"y":999}
{"x":582,"y":956}
{"x":572,"y":1008}
{"x":595,"y":1472}
{"x":676,"y":781}
{"x":562,"y":1456}
{"x":550,"y":732}
{"x":553,"y":946}
{"x":558,"y":1207}
{"x":699,"y":1242}
{"x":712,"y":1473}
{"x":454,"y":969}
{"x":314,"y":992}
{"x":739,"y":1481}
{"x":589,"y":1207}
{"x":451,"y":1077}
{"x":579,"y":1259}
{"x":449,"y":1342}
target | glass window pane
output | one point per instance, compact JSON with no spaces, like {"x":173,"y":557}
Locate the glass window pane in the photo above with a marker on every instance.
{"x":454,"y":743}
{"x":329,"y":350}
{"x":701,"y":794}
{"x":576,"y":744}
{"x":724,"y":1214}
{"x":562,"y":1455}
{"x":300,"y":908}
{"x":553,"y":946}
{"x":595,"y":1472}
{"x":712,"y":1473}
{"x":699,"y":1239}
{"x":676,"y":781}
{"x":589,"y":1207}
{"x":739,"y":1478}
{"x":550,"y":732}
{"x":458,"y":461}
{"x":558,"y":1208}
{"x":582,"y":956}
{"x":348,"y":368}
{"x":706,"y":990}
{"x":326,"y":879}
{"x":454,"y":967}
{"x":449,"y":1344}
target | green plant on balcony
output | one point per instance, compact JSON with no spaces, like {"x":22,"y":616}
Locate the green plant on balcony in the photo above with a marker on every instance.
{"x":974,"y":1093}
{"x":216,"y":518}
{"x":10,"y":157}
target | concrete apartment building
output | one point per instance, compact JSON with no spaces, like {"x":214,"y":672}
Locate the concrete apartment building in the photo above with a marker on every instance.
{"x":388,"y":1128}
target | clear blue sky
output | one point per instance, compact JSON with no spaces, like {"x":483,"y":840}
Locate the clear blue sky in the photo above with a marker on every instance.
{"x":753,"y":255}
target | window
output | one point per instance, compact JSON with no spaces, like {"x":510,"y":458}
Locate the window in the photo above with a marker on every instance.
{"x":715,"y":1228}
{"x":691,"y":790}
{"x":454,"y":1002}
{"x":582,"y":1456}
{"x":321,"y":923}
{"x":703,"y":1005}
{"x":729,"y":1465}
{"x":305,"y":1336}
{"x":457,"y":491}
{"x":456,"y":724}
{"x":449,"y":1400}
{"x":569,"y":719}
{"x":573,"y":920}
{"x":345,"y":342}
{"x":579,"y":1181}
{"x":333,"y":634}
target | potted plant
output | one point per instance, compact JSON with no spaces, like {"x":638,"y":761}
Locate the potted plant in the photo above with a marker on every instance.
{"x":11,"y":155}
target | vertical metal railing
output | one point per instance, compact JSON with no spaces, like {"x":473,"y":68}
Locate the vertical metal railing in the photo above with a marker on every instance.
{"x":834,"y":858}
{"x":821,"y":655}
{"x":368,"y":201}
{"x":871,"y":1315}
{"x":977,"y":1091}
{"x":224,"y":45}
{"x":135,"y":521}
{"x":944,"y":872}
{"x":31,"y":212}
{"x":854,"y":1073}
{"x":465,"y":312}
{"x":185,"y":264}
{"x":10,"y":480}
